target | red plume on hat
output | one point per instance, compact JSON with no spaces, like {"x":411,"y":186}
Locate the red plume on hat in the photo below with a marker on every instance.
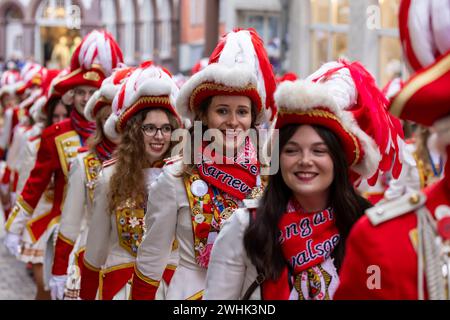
{"x":288,"y":76}
{"x":93,"y":60}
{"x":343,"y":97}
{"x":97,"y":48}
{"x":238,"y":66}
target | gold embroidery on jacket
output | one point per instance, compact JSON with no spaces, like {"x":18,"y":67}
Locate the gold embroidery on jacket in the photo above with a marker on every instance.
{"x":130,"y":225}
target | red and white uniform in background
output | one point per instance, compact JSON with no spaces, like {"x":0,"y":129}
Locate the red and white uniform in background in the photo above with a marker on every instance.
{"x":400,"y":250}
{"x":32,"y":77}
{"x":114,"y":237}
{"x":77,"y":211}
{"x":60,"y":142}
{"x":33,"y":250}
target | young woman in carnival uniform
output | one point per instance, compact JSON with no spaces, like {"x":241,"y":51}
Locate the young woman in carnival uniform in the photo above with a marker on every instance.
{"x":60,"y":142}
{"x":77,"y":211}
{"x":408,"y":238}
{"x":233,"y":93}
{"x":50,"y":109}
{"x":38,"y":83}
{"x":295,"y":244}
{"x":144,"y":117}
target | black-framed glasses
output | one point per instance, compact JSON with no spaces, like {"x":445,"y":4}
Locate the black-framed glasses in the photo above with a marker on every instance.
{"x":151,"y":130}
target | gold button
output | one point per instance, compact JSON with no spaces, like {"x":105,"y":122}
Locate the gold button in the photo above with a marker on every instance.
{"x":70,"y":154}
{"x":414,"y":199}
{"x":68,"y":143}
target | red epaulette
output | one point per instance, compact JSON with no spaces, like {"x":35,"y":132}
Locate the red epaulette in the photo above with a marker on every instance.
{"x":109,"y":162}
{"x":57,"y":129}
{"x":83,"y":149}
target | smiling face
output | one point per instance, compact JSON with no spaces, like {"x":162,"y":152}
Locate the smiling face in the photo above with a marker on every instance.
{"x":155,"y":129}
{"x":232,"y":115}
{"x":307,"y":167}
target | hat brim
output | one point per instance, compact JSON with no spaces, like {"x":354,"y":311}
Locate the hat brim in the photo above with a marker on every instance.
{"x":92,"y":77}
{"x":325,"y":118}
{"x":425,"y":98}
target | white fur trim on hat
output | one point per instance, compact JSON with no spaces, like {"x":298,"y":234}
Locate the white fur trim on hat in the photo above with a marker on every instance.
{"x":304,"y":95}
{"x":145,"y":81}
{"x":110,"y":127}
{"x":90,"y":106}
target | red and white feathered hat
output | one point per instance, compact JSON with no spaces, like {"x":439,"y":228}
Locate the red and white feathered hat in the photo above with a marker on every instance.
{"x":42,"y":80}
{"x":344,"y":98}
{"x":32,"y":74}
{"x":149,"y":86}
{"x":50,"y":93}
{"x":424,"y":31}
{"x":105,"y":95}
{"x":425,"y":36}
{"x":92,"y":61}
{"x":8,"y":82}
{"x":238,"y":66}
{"x":38,"y":109}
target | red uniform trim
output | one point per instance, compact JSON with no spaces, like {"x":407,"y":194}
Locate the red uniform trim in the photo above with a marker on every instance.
{"x":89,"y":280}
{"x":63,"y":248}
{"x":114,"y":279}
{"x":142,"y":289}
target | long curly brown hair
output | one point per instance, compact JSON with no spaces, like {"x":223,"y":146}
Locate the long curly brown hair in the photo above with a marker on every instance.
{"x":128,"y":179}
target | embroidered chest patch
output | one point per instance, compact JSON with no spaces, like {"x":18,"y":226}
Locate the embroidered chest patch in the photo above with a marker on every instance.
{"x":130,"y":226}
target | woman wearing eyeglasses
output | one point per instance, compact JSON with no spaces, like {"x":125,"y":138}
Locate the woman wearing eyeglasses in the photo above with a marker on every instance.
{"x":144,"y":117}
{"x":230,"y":96}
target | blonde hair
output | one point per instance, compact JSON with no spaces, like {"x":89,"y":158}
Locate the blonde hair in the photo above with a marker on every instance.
{"x":128,"y":179}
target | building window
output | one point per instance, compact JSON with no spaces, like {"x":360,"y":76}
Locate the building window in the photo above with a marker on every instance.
{"x":14,"y":33}
{"x":147,"y":35}
{"x":329,"y":30}
{"x":129,"y":37}
{"x":165,"y":29}
{"x":389,"y":48}
{"x":109,"y":16}
{"x":197,"y":12}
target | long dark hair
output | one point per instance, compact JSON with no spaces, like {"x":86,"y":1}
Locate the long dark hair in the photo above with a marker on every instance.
{"x":261,"y":237}
{"x":51,"y":106}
